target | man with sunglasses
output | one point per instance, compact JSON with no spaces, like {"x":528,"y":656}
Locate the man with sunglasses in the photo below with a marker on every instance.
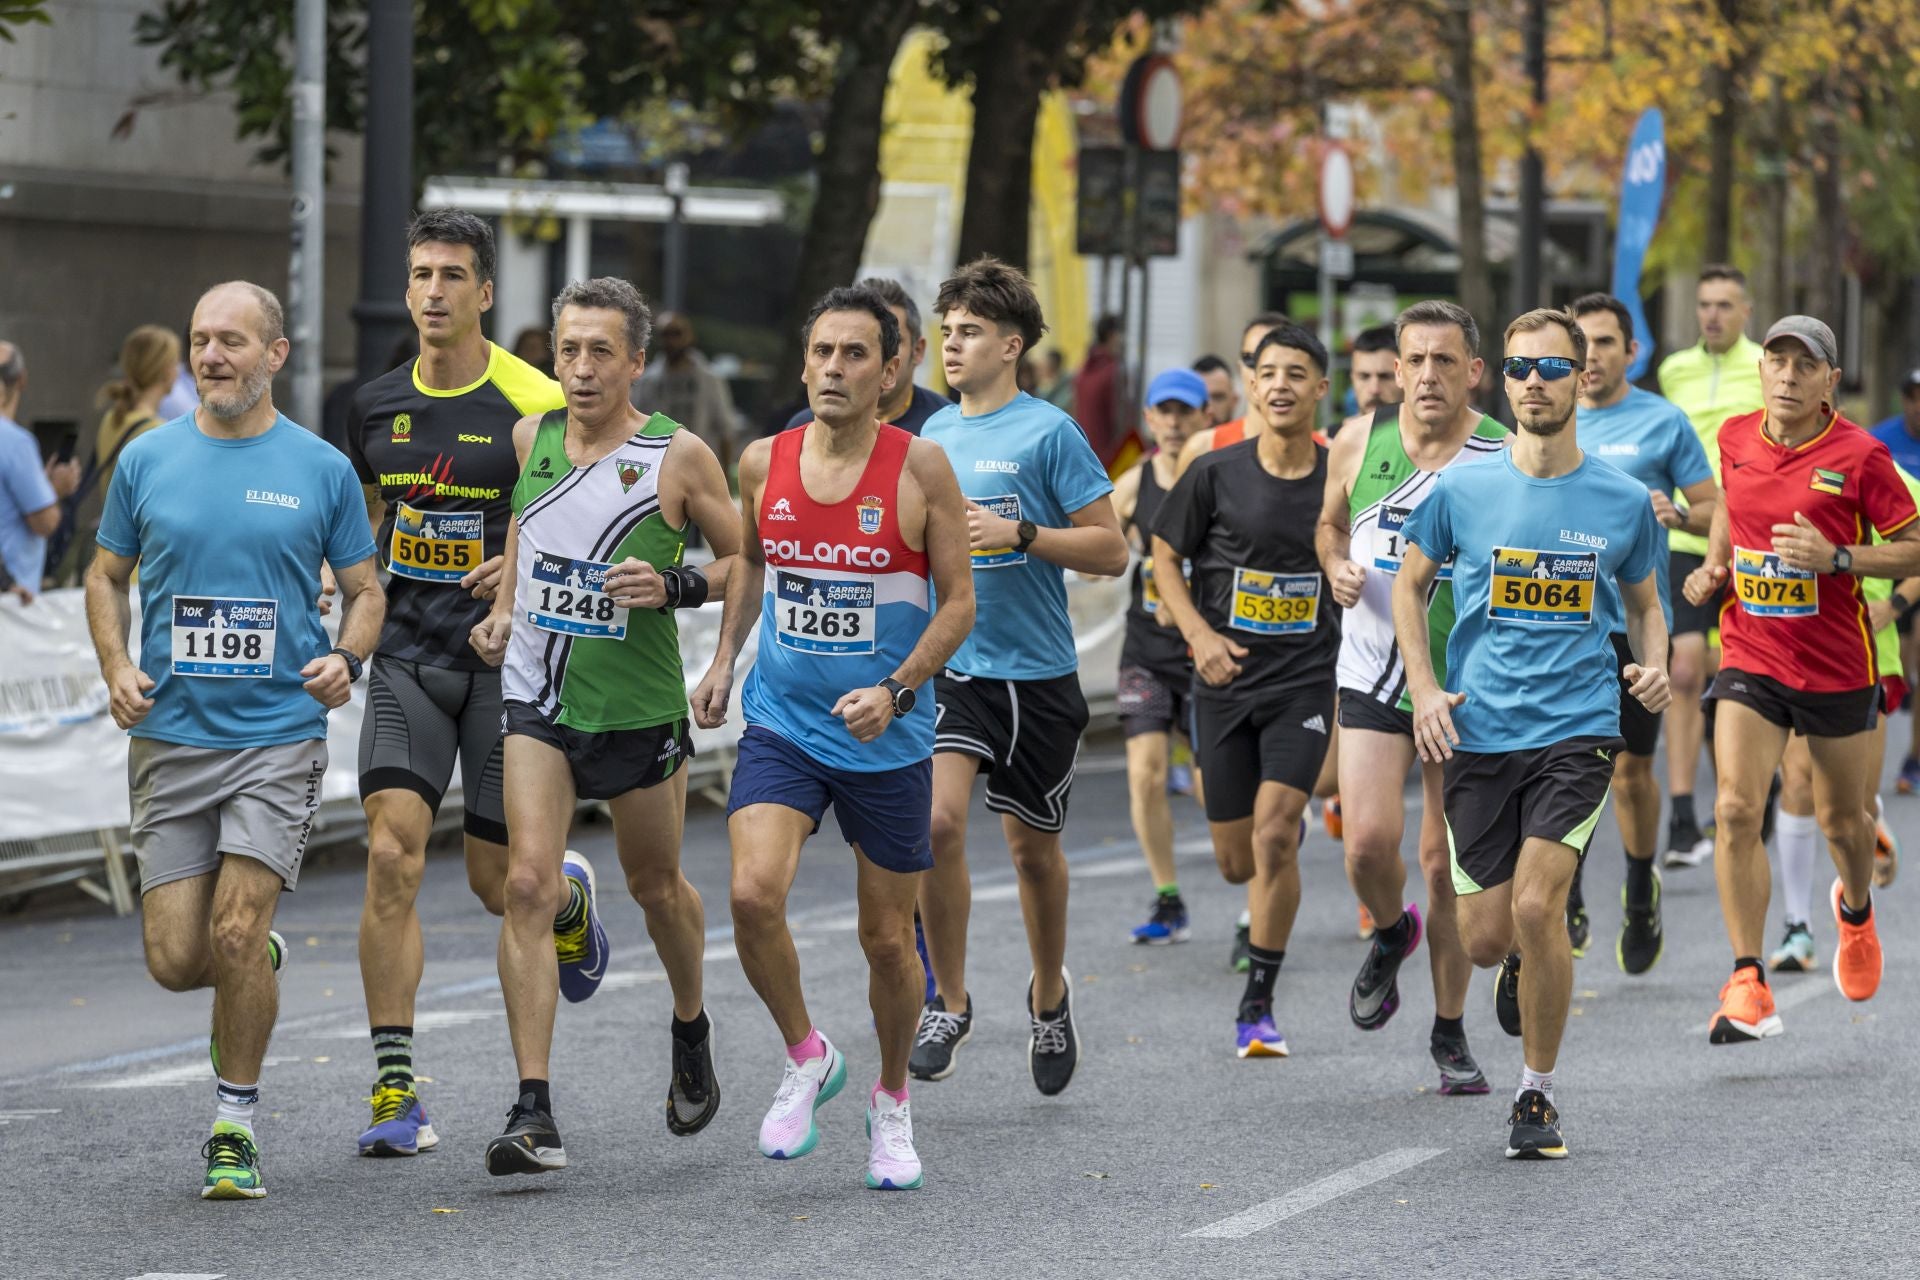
{"x":1381,"y":468}
{"x":1546,"y":545}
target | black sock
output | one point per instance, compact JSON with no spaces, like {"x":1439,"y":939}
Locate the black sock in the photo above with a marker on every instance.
{"x":576,"y":909}
{"x":393,"y":1055}
{"x":1262,"y":968}
{"x":1639,"y":881}
{"x":691,"y":1032}
{"x":1853,"y":917}
{"x":1753,"y":963}
{"x":1683,"y":811}
{"x":1396,"y":936}
{"x":1449,"y":1028}
{"x":1575,"y":897}
{"x":538,"y":1088}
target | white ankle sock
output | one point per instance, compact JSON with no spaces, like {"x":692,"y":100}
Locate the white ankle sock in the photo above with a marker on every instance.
{"x":1531,"y":1079}
{"x":1797,"y":836}
{"x":236,"y":1103}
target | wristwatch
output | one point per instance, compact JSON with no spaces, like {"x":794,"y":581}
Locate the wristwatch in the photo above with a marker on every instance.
{"x":1028,"y":532}
{"x":1842,"y":560}
{"x":903,"y":697}
{"x":353,"y":662}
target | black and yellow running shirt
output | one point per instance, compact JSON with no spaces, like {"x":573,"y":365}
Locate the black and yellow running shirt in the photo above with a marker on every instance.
{"x":444,"y":464}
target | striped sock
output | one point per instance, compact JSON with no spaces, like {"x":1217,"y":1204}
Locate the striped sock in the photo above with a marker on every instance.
{"x":393,"y":1055}
{"x":576,"y":909}
{"x":235,"y":1103}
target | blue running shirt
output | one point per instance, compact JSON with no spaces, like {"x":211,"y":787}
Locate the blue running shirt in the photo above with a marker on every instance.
{"x":1651,"y":440}
{"x":230,"y":535}
{"x":1028,"y":461}
{"x":1535,"y":595}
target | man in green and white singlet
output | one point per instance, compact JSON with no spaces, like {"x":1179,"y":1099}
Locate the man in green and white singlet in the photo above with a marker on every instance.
{"x":595,"y":696}
{"x":1380,"y":468}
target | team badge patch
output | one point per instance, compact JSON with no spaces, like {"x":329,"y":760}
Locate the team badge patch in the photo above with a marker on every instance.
{"x":1824,"y":481}
{"x":402,"y":428}
{"x":871,"y":513}
{"x":631,"y":472}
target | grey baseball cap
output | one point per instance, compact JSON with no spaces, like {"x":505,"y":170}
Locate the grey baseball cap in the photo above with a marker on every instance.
{"x":1808,"y":332}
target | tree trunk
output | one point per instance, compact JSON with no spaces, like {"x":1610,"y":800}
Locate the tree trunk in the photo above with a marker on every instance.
{"x":1826,"y":295}
{"x":1476,"y":280}
{"x":1728,"y":84}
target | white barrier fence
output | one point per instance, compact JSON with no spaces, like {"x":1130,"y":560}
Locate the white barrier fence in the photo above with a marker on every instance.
{"x":63,"y":763}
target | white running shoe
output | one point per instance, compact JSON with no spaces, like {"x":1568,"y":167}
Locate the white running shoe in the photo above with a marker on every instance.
{"x":788,"y":1132}
{"x":892,"y":1163}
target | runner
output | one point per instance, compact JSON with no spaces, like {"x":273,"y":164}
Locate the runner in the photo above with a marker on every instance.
{"x":228,"y":513}
{"x":432,"y":442}
{"x":1652,"y":441}
{"x":1716,"y":379}
{"x":1799,"y":655}
{"x":833,"y":707}
{"x":596,"y":701}
{"x":1381,"y":468}
{"x":1375,"y":361}
{"x":1156,"y":675}
{"x":1264,"y":642}
{"x":1009,"y":702}
{"x":1249,"y":424}
{"x":1223,"y":394}
{"x":908,"y":406}
{"x":1546,"y":544}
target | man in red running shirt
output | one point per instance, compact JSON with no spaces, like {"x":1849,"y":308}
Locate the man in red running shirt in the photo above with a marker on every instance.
{"x":1805,"y":489}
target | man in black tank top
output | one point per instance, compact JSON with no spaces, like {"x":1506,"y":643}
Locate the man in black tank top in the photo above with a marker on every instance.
{"x":1265,"y":636}
{"x":1156,"y":675}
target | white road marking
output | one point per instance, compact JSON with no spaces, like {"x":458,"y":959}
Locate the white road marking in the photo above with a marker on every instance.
{"x":1815,"y":985}
{"x":1315,"y":1194}
{"x":180,"y":1275}
{"x":169,"y":1077}
{"x":26,"y":1113}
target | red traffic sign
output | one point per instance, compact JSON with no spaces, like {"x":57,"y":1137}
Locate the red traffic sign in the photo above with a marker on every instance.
{"x":1151,"y":107}
{"x":1336,"y":190}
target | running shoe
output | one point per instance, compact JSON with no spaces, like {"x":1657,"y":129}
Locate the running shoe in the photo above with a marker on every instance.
{"x":1331,"y":817}
{"x":693,"y":1095}
{"x":940,"y":1037}
{"x":1242,"y":958}
{"x":1506,"y":994}
{"x":1258,"y":1037}
{"x":1746,"y":1010}
{"x":1796,"y":952}
{"x":530,"y":1144}
{"x":1367,"y":929}
{"x":1909,"y":780}
{"x":1886,"y":854}
{"x":1533,"y":1130}
{"x":233,"y":1164}
{"x":1579,"y":929}
{"x":1459,"y":1073}
{"x":1376,"y":988}
{"x":1686,"y":845}
{"x":276,"y":957}
{"x":1180,"y":780}
{"x":583,"y":948}
{"x":892,"y":1163}
{"x":1856,"y":956}
{"x":1167,"y":924}
{"x":400,"y":1125}
{"x":926,"y":965}
{"x":1642,"y":938}
{"x":1053,"y":1051}
{"x":788,"y":1132}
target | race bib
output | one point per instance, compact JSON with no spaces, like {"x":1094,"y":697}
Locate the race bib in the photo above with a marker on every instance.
{"x":1275,"y":604}
{"x":1769,"y":589}
{"x":436,"y":546}
{"x":1551,"y":588}
{"x":1390,"y":543}
{"x":570,"y":597}
{"x":1149,"y":592}
{"x":813,"y":613}
{"x":214,"y":636}
{"x":1008,"y":505}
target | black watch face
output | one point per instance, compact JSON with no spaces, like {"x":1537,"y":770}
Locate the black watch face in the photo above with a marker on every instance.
{"x":903,"y":700}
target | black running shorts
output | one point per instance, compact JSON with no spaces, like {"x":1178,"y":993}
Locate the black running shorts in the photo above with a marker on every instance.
{"x":610,"y":764}
{"x":1151,"y":703}
{"x":1279,"y":736}
{"x":1358,"y":711}
{"x":1639,"y":726}
{"x":1024,"y":733}
{"x":1811,"y":715}
{"x":419,"y":718}
{"x":1497,"y":802}
{"x":1688,"y":619}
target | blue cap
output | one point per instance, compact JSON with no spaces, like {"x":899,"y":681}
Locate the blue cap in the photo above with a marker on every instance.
{"x":1183,"y":385}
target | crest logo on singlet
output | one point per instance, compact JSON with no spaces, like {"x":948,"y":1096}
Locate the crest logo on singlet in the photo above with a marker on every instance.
{"x":402,"y":428}
{"x":871,"y":514}
{"x":631,"y":472}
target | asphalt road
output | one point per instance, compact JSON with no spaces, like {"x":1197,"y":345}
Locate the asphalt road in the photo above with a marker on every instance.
{"x":1168,"y":1156}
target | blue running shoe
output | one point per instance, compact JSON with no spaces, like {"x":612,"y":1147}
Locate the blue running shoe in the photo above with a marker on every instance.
{"x":926,"y":965}
{"x":1180,"y":780}
{"x":583,"y":948}
{"x":400,"y":1124}
{"x":1167,"y":925}
{"x":1260,"y":1038}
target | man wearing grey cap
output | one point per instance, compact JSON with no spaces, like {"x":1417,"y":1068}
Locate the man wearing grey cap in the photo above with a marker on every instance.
{"x":1802,"y":487}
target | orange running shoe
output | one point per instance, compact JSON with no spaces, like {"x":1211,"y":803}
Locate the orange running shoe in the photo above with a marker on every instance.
{"x":1886,"y":855}
{"x":1366,"y":923}
{"x":1746,"y":1010}
{"x":1330,"y":814}
{"x":1856,"y":961}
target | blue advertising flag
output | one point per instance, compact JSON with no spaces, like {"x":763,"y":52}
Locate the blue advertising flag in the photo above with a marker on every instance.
{"x":1643,"y":185}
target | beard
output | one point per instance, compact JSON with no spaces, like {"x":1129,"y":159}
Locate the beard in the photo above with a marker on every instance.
{"x":241,"y":401}
{"x":1544,"y":424}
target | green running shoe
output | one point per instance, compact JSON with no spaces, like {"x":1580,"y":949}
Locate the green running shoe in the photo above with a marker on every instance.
{"x":233,"y":1165}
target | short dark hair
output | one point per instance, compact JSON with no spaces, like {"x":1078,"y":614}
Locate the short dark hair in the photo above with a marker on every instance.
{"x":1106,"y":327}
{"x":1546,"y":318}
{"x":1211,"y":363}
{"x":992,"y":290}
{"x":858,"y":297}
{"x":14,"y":367}
{"x":1294,"y":337}
{"x":1439,"y":311}
{"x":608,"y":293}
{"x":894,"y":295}
{"x":1588,"y":304}
{"x":1265,"y":320}
{"x":1378,"y":338}
{"x":454,"y":226}
{"x":1723,"y":271}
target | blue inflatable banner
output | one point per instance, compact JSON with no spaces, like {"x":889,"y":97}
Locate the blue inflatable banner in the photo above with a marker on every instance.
{"x":1643,"y":185}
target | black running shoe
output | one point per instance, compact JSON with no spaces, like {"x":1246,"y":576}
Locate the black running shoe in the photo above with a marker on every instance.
{"x":1506,"y":994}
{"x":1459,"y":1073}
{"x":1533,"y":1130}
{"x":1687,"y":845}
{"x":1242,"y":958}
{"x":940,"y":1037}
{"x":1579,"y":929}
{"x":693,"y":1095}
{"x":1054,"y":1050}
{"x":530,"y":1145}
{"x":1376,"y":988}
{"x":1641,"y":937}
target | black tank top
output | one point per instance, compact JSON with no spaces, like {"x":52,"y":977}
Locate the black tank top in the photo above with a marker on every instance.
{"x":1160,"y":649}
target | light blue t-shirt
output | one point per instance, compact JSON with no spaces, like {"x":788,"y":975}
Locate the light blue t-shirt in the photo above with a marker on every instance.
{"x":1028,"y":461}
{"x":230,"y":535}
{"x":24,"y":489}
{"x":1650,"y":439}
{"x":1892,"y":432}
{"x":1535,"y":595}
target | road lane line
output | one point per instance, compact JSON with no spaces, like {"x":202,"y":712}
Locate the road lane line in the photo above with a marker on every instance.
{"x":1315,"y":1194}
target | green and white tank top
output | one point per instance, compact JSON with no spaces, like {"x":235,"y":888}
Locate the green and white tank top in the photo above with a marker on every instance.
{"x":1386,"y":490}
{"x":575,"y":655}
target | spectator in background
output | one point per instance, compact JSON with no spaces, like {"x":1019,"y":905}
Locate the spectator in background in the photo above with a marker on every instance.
{"x":908,"y":405}
{"x":181,"y":399}
{"x":535,"y":346}
{"x":1223,"y":394}
{"x":678,"y":383}
{"x":1901,"y":432}
{"x":1096,"y":390}
{"x":1057,"y":383}
{"x":30,"y":490}
{"x":1025,"y":378}
{"x":1373,"y":359}
{"x":149,"y":366}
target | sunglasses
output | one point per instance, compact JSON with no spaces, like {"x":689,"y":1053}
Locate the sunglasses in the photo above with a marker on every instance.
{"x":1552,"y":368}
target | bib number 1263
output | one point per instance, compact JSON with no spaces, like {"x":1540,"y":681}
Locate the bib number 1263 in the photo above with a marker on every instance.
{"x":821,"y":615}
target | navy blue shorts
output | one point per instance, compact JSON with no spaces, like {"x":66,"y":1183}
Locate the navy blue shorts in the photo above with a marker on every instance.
{"x":888,"y":814}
